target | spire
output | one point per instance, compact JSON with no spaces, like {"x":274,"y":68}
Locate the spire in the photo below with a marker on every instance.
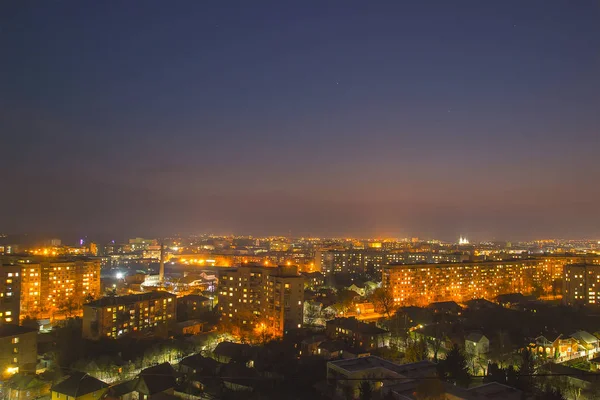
{"x":161,"y":271}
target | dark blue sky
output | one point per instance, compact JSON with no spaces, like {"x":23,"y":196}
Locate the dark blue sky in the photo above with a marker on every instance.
{"x":429,"y":118}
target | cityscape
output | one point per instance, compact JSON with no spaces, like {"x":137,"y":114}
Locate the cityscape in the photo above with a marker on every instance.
{"x":256,"y":200}
{"x":225,"y":316}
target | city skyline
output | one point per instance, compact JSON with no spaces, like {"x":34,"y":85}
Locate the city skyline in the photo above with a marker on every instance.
{"x":401,"y":119}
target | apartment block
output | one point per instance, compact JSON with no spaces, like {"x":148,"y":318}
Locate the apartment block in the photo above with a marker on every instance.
{"x":147,"y":314}
{"x":40,"y":288}
{"x":268,"y":295}
{"x":421,"y":284}
{"x":581,"y":284}
{"x":18,"y":349}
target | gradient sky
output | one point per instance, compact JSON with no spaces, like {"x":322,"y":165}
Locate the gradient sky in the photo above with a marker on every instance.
{"x":395,"y":118}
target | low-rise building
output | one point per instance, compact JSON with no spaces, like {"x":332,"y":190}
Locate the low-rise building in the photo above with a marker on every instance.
{"x":146,"y":314}
{"x":477,"y":344}
{"x":346,"y":376}
{"x":79,"y":386}
{"x":18,"y":349}
{"x":357,"y":334}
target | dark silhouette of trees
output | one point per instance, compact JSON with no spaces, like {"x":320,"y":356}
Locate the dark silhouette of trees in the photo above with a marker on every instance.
{"x":416,"y":350}
{"x":365,"y":391}
{"x":454,"y":367}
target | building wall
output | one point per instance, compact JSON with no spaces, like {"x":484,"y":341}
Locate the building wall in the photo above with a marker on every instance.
{"x":10,"y":293}
{"x":90,"y":396}
{"x":18,"y":351}
{"x":581,"y":284}
{"x":148,"y":317}
{"x":421,"y":284}
{"x":273,"y":295}
{"x":38,"y":290}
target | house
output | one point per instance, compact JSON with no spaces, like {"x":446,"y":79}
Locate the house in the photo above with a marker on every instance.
{"x":123,"y":391}
{"x":330,"y":349}
{"x":477,"y":344}
{"x":26,"y":387}
{"x":309,"y":345}
{"x":198,"y":364}
{"x":480,"y":304}
{"x":151,"y":381}
{"x":360,"y":289}
{"x":357,"y":333}
{"x":238,"y":377}
{"x":225,"y":352}
{"x":346,"y":376}
{"x":566,"y":348}
{"x":189,"y":327}
{"x":79,"y":386}
{"x":588,"y":341}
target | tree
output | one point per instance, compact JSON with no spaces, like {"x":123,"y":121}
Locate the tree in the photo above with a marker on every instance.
{"x":345,"y":299}
{"x":312,"y":313}
{"x":454,"y":367}
{"x":495,"y":374}
{"x":416,"y":351}
{"x":30,"y":323}
{"x":550,"y":393}
{"x":365,"y":390}
{"x":526,"y":371}
{"x":384,"y":301}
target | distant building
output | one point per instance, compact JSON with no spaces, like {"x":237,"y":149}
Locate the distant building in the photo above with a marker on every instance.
{"x":39,"y":289}
{"x":146,"y":314}
{"x":255,"y":294}
{"x":192,"y":306}
{"x":581,"y":284}
{"x":421,"y":284}
{"x":18,"y":349}
{"x":357,"y":334}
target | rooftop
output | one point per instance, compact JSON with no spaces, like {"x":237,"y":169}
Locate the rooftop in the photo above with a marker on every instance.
{"x":14,"y":330}
{"x":129,"y":299}
{"x":79,"y":384}
{"x":355,"y":325}
{"x":412,"y":370}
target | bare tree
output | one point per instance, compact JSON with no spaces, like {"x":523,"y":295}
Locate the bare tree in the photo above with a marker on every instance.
{"x":384,"y":301}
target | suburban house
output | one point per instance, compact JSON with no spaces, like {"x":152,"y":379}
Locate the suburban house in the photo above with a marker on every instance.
{"x":477,"y":344}
{"x":560,"y":350}
{"x":159,"y":379}
{"x":357,"y":333}
{"x":226,"y":352}
{"x":123,"y":391}
{"x":587,"y":341}
{"x":26,"y":387}
{"x":79,"y":386}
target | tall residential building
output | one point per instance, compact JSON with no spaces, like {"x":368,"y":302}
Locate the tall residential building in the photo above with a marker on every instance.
{"x":255,"y":294}
{"x":41,"y":288}
{"x":146,"y":314}
{"x":422,"y":284}
{"x":581,"y":284}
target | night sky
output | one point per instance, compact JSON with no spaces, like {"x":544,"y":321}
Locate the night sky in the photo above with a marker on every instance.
{"x":362,"y":118}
